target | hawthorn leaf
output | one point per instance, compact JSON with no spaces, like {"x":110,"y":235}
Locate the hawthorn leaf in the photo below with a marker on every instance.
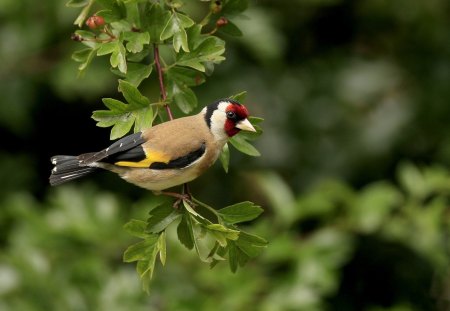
{"x":132,"y":95}
{"x":136,"y":40}
{"x":161,"y":217}
{"x":175,"y":27}
{"x":240,"y":212}
{"x":240,"y":97}
{"x":225,"y":157}
{"x":141,"y":250}
{"x":155,"y":21}
{"x":209,"y":50}
{"x":136,"y":228}
{"x":185,"y":234}
{"x":244,"y":146}
{"x":136,"y":73}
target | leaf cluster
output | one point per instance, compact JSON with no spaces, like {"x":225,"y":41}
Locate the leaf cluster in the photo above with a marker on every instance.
{"x":213,"y":242}
{"x":130,"y":33}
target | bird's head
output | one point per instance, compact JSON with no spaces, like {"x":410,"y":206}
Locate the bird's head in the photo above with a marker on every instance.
{"x":226,"y":118}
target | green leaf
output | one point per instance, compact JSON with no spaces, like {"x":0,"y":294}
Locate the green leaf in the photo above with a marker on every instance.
{"x":244,"y":146}
{"x":239,"y":97}
{"x":233,"y":257}
{"x":155,"y":21}
{"x":83,"y":14}
{"x":122,"y":116}
{"x":136,"y":228}
{"x":222,"y":233}
{"x":84,"y":57}
{"x":161,"y":217}
{"x":240,"y":212}
{"x":132,"y":95}
{"x":251,"y":245}
{"x":118,"y":57}
{"x":141,"y":250}
{"x":143,"y":119}
{"x":209,"y":50}
{"x":231,"y":29}
{"x":136,"y":40}
{"x":175,"y":27}
{"x":110,"y":15}
{"x":122,"y":126}
{"x":77,"y":3}
{"x":162,"y":248}
{"x":107,"y":48}
{"x":183,"y":96}
{"x":184,"y":232}
{"x":185,"y":76}
{"x":234,"y":7}
{"x":136,"y":73}
{"x":225,"y":157}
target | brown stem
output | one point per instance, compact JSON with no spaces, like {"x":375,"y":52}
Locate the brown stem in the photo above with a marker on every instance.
{"x":161,"y":81}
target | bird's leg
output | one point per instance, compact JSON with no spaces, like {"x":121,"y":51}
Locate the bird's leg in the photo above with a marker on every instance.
{"x":184,"y":196}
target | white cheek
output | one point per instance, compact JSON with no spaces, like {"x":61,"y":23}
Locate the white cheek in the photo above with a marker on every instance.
{"x":217,"y":126}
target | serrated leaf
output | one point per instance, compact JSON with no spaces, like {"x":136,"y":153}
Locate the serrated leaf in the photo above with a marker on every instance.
{"x":244,"y":146}
{"x":136,"y":72}
{"x":133,"y":95}
{"x":161,"y":217}
{"x":144,"y":119}
{"x":136,"y":228}
{"x":251,"y":245}
{"x":142,"y":250}
{"x":118,"y":58}
{"x":107,"y":48}
{"x":123,"y":126}
{"x":85,"y":57}
{"x":185,"y":76}
{"x":240,"y":212}
{"x":185,"y":234}
{"x":228,"y":233}
{"x":155,"y":21}
{"x":183,"y":96}
{"x":136,"y":40}
{"x":225,"y":157}
{"x":175,"y":27}
{"x":209,"y":50}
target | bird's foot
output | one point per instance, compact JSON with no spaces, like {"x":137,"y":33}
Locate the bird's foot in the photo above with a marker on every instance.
{"x":180,"y":197}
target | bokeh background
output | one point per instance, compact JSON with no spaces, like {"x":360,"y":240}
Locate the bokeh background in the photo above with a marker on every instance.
{"x":353,"y":175}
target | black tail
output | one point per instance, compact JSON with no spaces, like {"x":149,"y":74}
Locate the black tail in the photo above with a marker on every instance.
{"x":67,"y":168}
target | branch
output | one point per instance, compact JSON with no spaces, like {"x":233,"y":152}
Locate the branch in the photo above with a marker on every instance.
{"x":161,"y":81}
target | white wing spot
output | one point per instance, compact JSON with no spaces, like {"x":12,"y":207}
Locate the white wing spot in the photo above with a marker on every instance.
{"x":54,"y":170}
{"x":54,"y":161}
{"x":121,"y":144}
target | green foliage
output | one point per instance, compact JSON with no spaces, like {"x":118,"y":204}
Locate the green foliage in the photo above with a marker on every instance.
{"x":130,"y":28}
{"x":353,"y":175}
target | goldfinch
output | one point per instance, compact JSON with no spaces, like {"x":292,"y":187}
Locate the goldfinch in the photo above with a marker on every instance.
{"x":163,"y":156}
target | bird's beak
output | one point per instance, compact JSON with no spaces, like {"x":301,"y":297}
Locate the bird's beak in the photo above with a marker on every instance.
{"x":245,"y":125}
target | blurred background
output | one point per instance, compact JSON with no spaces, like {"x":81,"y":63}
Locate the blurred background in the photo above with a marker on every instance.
{"x":353,"y":175}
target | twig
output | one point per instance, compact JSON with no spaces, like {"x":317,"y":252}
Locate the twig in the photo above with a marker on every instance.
{"x":161,"y":81}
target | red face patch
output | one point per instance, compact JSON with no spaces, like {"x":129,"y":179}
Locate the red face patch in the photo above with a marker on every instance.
{"x":235,"y":113}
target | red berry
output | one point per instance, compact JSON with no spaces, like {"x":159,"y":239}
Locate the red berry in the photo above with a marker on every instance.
{"x":221,"y":22}
{"x":95,"y":21}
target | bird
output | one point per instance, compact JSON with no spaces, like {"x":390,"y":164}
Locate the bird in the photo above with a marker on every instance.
{"x":166,"y":155}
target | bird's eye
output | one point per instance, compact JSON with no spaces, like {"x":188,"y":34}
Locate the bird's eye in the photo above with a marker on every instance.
{"x":231,"y":115}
